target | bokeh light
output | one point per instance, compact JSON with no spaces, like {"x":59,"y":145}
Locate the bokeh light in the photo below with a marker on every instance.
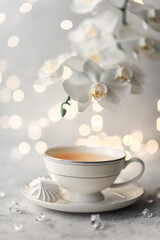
{"x":25,"y":7}
{"x":3,"y":65}
{"x":81,"y":142}
{"x":137,"y":135}
{"x":66,"y":24}
{"x":139,"y":1}
{"x":18,"y":96}
{"x":158,"y":105}
{"x":127,"y":140}
{"x":41,"y":147}
{"x":15,"y":122}
{"x":43,"y":122}
{"x":2,"y":17}
{"x":72,"y":110}
{"x":84,"y":130}
{"x":34,"y":131}
{"x":102,"y":135}
{"x":128,"y":155}
{"x":39,"y":88}
{"x":97,"y":123}
{"x":54,"y":114}
{"x":152,"y":146}
{"x":136,"y":146}
{"x":158,"y":124}
{"x":13,"y":82}
{"x":13,"y":41}
{"x":24,"y":148}
{"x":96,"y":107}
{"x":119,"y":147}
{"x":93,"y":141}
{"x":114,"y":141}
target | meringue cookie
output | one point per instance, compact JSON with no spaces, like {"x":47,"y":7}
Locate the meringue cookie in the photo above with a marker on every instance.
{"x":44,"y":189}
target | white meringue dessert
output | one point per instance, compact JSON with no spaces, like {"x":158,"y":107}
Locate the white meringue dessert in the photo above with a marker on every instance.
{"x":44,"y":189}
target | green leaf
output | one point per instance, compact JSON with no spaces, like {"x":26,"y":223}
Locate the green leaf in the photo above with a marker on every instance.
{"x":63,"y":112}
{"x":68,"y":99}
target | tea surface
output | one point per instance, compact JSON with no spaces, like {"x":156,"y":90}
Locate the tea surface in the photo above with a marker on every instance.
{"x":82,"y":157}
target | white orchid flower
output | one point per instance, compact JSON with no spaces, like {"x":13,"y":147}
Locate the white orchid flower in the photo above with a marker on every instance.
{"x":126,"y":34}
{"x":147,"y":13}
{"x":149,"y":48}
{"x":96,"y":27}
{"x":130,"y":73}
{"x":145,"y":46}
{"x":104,"y":51}
{"x":138,"y":44}
{"x":97,"y":83}
{"x":84,"y":6}
{"x":52,"y":70}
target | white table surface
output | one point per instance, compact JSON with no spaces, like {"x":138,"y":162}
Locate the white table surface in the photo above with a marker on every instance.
{"x":127,"y":223}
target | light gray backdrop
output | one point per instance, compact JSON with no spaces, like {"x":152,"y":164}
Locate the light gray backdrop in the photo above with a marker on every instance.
{"x":42,"y":38}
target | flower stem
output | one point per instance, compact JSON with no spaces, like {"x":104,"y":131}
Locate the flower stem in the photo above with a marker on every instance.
{"x":124,"y":12}
{"x":63,"y":110}
{"x":123,"y":9}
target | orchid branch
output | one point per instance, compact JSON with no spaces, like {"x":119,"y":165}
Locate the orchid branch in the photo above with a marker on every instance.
{"x":122,"y":9}
{"x":63,"y":110}
{"x":124,"y":12}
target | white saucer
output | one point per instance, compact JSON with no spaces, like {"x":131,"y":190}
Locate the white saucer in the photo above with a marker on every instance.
{"x":114,"y":198}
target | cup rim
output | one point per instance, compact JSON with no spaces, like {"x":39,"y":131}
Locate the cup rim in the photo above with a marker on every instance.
{"x":101,"y":150}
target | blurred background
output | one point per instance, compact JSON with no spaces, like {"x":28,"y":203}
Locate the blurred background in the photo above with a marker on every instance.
{"x":30,"y":122}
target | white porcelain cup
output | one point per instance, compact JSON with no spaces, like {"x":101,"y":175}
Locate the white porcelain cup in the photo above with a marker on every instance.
{"x":84,"y":181}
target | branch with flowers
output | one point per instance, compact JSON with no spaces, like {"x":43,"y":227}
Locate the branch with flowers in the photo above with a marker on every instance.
{"x":101,"y":46}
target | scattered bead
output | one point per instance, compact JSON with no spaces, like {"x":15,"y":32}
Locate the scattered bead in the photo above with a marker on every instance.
{"x":2,"y":194}
{"x":14,"y":207}
{"x":95,"y":222}
{"x":147,"y":213}
{"x":41,"y":217}
{"x":18,"y":227}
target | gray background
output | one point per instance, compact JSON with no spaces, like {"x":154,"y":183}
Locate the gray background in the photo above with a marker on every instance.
{"x":42,"y":38}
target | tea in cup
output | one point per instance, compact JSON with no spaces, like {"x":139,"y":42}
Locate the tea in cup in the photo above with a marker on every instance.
{"x":85,"y":171}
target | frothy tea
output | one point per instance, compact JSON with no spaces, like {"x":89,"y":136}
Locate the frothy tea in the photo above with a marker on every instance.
{"x":83,"y":157}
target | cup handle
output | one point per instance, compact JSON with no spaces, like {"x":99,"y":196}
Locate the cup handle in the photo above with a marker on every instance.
{"x":114,"y":185}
